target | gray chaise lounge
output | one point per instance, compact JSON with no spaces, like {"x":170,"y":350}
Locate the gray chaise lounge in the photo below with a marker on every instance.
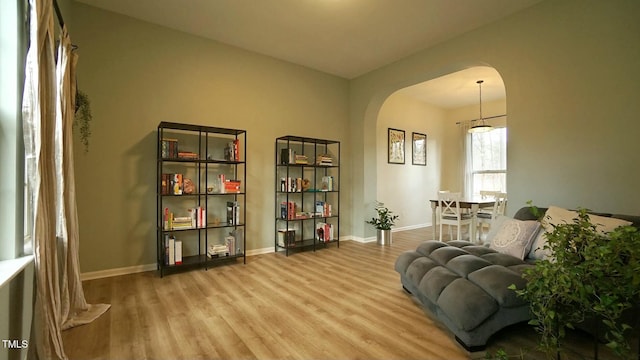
{"x":465,"y":285}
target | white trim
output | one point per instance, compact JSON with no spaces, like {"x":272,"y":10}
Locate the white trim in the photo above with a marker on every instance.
{"x":411,"y":227}
{"x":10,"y":268}
{"x":151,"y":267}
{"x":117,"y":272}
{"x":266,"y":250}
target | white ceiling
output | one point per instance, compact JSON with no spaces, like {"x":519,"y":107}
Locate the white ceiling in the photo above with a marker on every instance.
{"x":347,"y":38}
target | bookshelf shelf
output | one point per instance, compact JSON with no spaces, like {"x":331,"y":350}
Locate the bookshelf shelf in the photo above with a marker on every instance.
{"x":201,"y":195}
{"x":307,"y":193}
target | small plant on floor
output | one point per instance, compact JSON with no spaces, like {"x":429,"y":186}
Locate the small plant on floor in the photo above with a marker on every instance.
{"x":385,"y":220}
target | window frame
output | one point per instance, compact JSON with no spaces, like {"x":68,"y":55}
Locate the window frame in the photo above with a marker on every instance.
{"x":475,"y":190}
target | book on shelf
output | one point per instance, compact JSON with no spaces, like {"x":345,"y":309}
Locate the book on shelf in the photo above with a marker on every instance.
{"x":232,"y":186}
{"x":238,"y":235}
{"x":181,"y":223}
{"x":198,"y":217}
{"x":169,"y":148}
{"x":230,"y":243}
{"x":232,"y":151}
{"x":170,"y":250}
{"x":326,"y":183}
{"x":176,"y":184}
{"x":323,"y":209}
{"x":301,"y":159}
{"x":324,"y":232}
{"x":233,"y":213}
{"x":287,"y":237}
{"x":178,"y":252}
{"x":324,"y":160}
{"x":187,"y":155}
{"x":287,"y":156}
{"x":216,"y":250}
{"x":291,"y":184}
{"x":288,"y":210}
{"x":171,"y":184}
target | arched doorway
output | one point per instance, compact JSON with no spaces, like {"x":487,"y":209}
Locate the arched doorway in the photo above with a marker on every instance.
{"x":434,"y":108}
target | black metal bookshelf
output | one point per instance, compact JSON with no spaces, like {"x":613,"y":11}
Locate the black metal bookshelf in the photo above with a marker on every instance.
{"x":196,"y":167}
{"x":307,"y":193}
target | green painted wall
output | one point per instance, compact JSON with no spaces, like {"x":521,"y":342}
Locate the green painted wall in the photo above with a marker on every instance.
{"x":138,"y":74}
{"x":571,"y":74}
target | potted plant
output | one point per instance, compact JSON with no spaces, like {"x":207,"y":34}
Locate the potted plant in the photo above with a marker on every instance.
{"x":383,"y":223}
{"x":590,"y":277}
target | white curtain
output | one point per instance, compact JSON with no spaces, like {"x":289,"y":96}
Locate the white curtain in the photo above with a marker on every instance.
{"x":466,"y":164}
{"x":48,"y":107}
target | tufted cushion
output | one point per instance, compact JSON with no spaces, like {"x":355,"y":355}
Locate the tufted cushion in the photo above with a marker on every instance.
{"x":495,"y":280}
{"x":419,"y":267}
{"x":436,"y":280}
{"x":463,"y":265}
{"x":444,"y":254}
{"x":427,"y":247}
{"x":404,"y":260}
{"x":454,"y":302}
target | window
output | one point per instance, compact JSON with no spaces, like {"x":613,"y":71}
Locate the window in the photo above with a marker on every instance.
{"x":489,"y":161}
{"x":12,"y":53}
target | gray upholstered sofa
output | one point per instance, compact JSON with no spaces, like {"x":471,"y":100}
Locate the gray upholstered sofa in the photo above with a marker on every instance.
{"x":465,"y":285}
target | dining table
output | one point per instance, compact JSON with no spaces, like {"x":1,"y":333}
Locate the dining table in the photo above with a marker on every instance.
{"x":473,"y":204}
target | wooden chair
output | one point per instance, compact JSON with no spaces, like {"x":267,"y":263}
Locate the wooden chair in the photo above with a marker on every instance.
{"x":450,"y":212}
{"x":487,"y":217}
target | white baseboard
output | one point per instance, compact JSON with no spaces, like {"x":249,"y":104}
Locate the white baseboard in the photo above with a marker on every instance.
{"x":150,"y":267}
{"x":396,"y":229}
{"x":117,"y":272}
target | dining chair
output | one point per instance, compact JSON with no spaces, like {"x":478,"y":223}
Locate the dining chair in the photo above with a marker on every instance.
{"x":487,"y":217}
{"x":451,"y":214}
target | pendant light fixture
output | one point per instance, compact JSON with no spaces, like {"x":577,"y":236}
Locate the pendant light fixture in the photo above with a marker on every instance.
{"x":481,"y":125}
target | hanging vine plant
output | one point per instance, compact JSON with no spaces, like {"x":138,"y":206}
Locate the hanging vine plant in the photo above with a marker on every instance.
{"x":83,"y":117}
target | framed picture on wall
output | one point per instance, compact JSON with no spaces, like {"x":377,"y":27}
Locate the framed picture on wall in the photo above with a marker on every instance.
{"x":395,"y":146}
{"x":419,"y":149}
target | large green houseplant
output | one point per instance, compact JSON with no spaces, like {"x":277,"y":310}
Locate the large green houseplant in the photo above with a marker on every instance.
{"x":589,"y":275}
{"x":383,"y":223}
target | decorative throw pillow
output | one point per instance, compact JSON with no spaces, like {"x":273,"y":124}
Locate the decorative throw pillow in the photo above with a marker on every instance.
{"x":556,"y":216}
{"x":512,"y":237}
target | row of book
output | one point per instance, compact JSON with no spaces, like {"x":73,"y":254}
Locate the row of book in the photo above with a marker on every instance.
{"x":172,"y":250}
{"x":323,"y":209}
{"x":197,"y":218}
{"x":289,"y":156}
{"x":229,"y":248}
{"x":176,"y":184}
{"x":228,"y":186}
{"x":326,"y":183}
{"x":292,"y":184}
{"x":324,"y":232}
{"x":169,"y":150}
{"x":324,"y":160}
{"x":171,"y":184}
{"x":289,"y":210}
{"x":287,"y":237}
{"x":233,"y":213}
{"x":232,"y":151}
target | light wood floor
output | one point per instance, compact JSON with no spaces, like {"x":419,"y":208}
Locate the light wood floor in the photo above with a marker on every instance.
{"x":335,"y":303}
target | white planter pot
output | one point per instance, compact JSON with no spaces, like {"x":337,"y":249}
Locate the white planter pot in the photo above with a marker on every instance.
{"x":384,"y":237}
